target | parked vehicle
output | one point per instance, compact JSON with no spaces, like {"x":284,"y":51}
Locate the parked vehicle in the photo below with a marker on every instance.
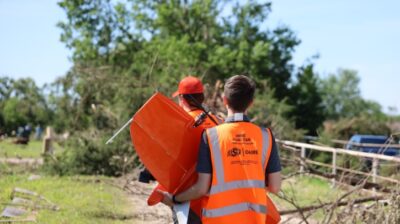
{"x":372,"y":144}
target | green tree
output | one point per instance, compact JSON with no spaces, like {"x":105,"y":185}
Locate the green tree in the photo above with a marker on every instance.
{"x":22,"y":102}
{"x":268,"y":111}
{"x":12,"y":114}
{"x":139,"y":34}
{"x":5,"y":93}
{"x":123,"y":52}
{"x":307,"y":101}
{"x":5,"y":88}
{"x":348,"y":111}
{"x":344,"y":128}
{"x":342,"y":97}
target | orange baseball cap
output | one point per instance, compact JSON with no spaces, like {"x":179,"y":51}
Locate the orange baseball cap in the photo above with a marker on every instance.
{"x":189,"y":85}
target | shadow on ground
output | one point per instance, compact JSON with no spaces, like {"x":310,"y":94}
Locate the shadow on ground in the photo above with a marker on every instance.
{"x":111,"y":215}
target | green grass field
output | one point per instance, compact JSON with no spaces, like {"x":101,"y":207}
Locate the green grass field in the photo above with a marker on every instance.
{"x":32,"y":150}
{"x":81,"y":199}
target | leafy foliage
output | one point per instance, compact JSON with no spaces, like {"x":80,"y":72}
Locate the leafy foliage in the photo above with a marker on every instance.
{"x":342,"y":96}
{"x":347,"y":112}
{"x":270,"y":112}
{"x":22,"y":102}
{"x":306,"y":95}
{"x":87,"y":154}
{"x":123,"y":52}
{"x":344,"y":128}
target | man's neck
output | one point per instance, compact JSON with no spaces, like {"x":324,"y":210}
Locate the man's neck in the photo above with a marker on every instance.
{"x":232,"y":112}
{"x":188,"y":108}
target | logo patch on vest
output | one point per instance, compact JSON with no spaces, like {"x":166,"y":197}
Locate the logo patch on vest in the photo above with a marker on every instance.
{"x":251,"y":152}
{"x":234,"y":152}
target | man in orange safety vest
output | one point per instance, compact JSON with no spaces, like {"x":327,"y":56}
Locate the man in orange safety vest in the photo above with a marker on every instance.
{"x":238,"y":163}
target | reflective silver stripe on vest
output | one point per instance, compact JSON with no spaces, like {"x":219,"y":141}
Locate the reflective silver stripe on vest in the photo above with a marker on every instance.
{"x":265,"y":144}
{"x":232,"y":185}
{"x":219,"y":169}
{"x":246,"y":206}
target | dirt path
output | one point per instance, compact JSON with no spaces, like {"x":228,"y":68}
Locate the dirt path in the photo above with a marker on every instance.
{"x":138,"y":193}
{"x":161,"y":214}
{"x":22,"y":161}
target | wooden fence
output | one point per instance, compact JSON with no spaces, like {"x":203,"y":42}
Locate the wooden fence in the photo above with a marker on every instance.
{"x":382,"y":146}
{"x":376,"y":158}
{"x":344,"y":143}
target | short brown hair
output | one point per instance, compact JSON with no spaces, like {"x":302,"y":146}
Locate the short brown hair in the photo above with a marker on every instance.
{"x":239,"y":92}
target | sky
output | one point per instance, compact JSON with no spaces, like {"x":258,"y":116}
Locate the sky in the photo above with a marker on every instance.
{"x":359,"y":34}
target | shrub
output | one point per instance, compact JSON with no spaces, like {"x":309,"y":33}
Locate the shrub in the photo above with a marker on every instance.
{"x":87,"y":153}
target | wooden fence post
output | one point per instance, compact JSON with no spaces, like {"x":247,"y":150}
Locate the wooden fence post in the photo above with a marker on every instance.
{"x":334,"y":154}
{"x":375,"y":166}
{"x":303,"y":158}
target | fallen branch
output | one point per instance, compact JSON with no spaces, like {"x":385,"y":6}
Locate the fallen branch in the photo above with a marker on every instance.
{"x":343,"y":203}
{"x":293,"y":201}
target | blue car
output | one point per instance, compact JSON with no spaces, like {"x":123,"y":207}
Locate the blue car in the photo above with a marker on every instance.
{"x":372,"y":139}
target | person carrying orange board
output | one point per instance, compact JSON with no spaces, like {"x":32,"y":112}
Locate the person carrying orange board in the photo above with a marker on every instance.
{"x":238,"y":164}
{"x":190,"y":95}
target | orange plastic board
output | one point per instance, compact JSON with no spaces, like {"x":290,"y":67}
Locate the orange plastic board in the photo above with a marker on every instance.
{"x":166,"y":142}
{"x":155,"y":196}
{"x":273,"y":216}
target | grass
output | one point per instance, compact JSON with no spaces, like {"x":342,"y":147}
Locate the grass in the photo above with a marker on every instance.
{"x":32,"y":150}
{"x":81,"y":199}
{"x":306,"y":191}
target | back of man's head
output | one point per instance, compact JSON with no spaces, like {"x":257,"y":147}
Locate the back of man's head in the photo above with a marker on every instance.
{"x":239,"y":92}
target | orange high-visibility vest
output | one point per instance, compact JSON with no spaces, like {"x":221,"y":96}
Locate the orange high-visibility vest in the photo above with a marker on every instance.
{"x":239,"y":155}
{"x":208,"y":123}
